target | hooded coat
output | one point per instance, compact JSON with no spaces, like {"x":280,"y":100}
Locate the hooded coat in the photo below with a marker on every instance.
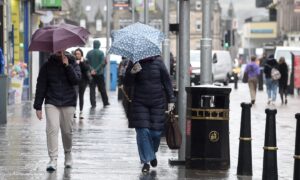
{"x":270,"y":63}
{"x":95,"y":58}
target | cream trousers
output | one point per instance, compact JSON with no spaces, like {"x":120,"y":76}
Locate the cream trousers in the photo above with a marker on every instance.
{"x":59,"y":117}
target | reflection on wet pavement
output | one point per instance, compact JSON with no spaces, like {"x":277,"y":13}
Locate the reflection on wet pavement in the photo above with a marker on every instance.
{"x":105,"y":148}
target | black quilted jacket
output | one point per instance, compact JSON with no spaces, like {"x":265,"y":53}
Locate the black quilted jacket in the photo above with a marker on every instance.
{"x":55,"y":83}
{"x":152,"y":91}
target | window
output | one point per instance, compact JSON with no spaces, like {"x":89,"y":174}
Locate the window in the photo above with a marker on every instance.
{"x":198,"y":25}
{"x":292,"y":38}
{"x":198,"y":5}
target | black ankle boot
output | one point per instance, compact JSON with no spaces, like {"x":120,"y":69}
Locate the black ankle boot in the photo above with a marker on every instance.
{"x":153,"y":162}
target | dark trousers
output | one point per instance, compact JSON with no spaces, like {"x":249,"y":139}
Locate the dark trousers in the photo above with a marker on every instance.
{"x":82,"y":87}
{"x":98,"y":80}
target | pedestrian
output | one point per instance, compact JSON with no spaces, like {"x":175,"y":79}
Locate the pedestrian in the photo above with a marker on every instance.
{"x":152,"y":91}
{"x":262,"y":62}
{"x":121,"y":74}
{"x":55,"y":85}
{"x":95,"y":59}
{"x":271,"y":84}
{"x":253,"y":71}
{"x":283,"y":81}
{"x":172,"y":64}
{"x":2,"y":62}
{"x":121,"y":70}
{"x":86,"y":78}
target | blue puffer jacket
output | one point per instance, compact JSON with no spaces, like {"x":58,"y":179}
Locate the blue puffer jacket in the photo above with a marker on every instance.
{"x":56,"y":83}
{"x":152,"y":90}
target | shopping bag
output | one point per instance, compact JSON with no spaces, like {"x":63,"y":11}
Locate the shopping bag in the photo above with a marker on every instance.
{"x":173,"y":134}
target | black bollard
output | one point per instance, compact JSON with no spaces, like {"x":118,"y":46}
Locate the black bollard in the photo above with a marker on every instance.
{"x":244,"y":167}
{"x":236,"y":78}
{"x":297,"y":150}
{"x":270,"y":171}
{"x":261,"y":80}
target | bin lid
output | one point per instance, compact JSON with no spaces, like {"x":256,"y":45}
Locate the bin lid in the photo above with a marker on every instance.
{"x":209,"y":90}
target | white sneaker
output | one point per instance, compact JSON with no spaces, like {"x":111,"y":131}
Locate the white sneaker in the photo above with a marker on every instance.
{"x":80,"y":115}
{"x":51,"y":166}
{"x":68,"y":160}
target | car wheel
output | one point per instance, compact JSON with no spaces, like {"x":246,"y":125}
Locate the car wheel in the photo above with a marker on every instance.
{"x":226,"y":82}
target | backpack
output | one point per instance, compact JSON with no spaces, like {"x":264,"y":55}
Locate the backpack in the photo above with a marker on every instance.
{"x":275,"y":74}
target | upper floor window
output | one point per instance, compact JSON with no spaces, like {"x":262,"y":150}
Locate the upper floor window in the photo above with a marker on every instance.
{"x":198,"y":5}
{"x":198,"y":25}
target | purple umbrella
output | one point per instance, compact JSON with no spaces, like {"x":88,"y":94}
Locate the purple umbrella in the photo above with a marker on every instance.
{"x":58,"y":37}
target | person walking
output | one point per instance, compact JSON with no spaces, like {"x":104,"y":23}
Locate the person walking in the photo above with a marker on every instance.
{"x":151,"y":93}
{"x":271,"y":84}
{"x":262,"y":62}
{"x":95,"y":59}
{"x":253,"y":71}
{"x":55,"y":84}
{"x":283,"y":81}
{"x":85,"y":79}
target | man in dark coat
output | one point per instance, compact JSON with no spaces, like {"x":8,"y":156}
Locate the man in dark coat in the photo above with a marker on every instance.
{"x":55,"y":85}
{"x":152,"y":91}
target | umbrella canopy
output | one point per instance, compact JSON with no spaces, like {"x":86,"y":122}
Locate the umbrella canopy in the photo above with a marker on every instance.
{"x":58,"y":37}
{"x":136,"y":42}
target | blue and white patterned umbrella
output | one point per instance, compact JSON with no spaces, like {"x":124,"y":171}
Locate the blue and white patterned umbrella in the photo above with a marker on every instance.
{"x":136,"y":42}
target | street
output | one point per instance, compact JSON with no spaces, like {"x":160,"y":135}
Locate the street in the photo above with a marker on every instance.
{"x":105,"y":148}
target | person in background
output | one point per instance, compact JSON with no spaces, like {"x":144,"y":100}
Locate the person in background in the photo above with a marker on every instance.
{"x":85,"y":79}
{"x":172,"y":64}
{"x":253,"y":71}
{"x":271,"y":84}
{"x":55,"y":85}
{"x":262,"y":62}
{"x":2,"y":63}
{"x":283,"y":81}
{"x":95,"y":59}
{"x":152,"y":91}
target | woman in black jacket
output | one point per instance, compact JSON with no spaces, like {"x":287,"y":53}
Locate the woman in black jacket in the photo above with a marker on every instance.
{"x":55,"y":85}
{"x":85,"y":77}
{"x":283,"y":81}
{"x":152,"y":91}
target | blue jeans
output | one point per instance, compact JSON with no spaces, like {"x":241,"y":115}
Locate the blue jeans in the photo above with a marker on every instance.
{"x":271,"y":88}
{"x":148,"y":142}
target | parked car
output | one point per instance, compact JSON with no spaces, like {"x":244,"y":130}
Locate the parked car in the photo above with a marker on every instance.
{"x":222,"y":66}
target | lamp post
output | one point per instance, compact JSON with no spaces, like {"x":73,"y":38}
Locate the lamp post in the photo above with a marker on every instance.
{"x":206,"y":44}
{"x":108,"y":16}
{"x":133,"y":11}
{"x":166,"y":42}
{"x":184,"y":62}
{"x":146,"y":11}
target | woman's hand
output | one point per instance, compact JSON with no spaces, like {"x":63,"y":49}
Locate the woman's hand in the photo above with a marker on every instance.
{"x":65,"y":59}
{"x":136,"y":68}
{"x":39,"y":114}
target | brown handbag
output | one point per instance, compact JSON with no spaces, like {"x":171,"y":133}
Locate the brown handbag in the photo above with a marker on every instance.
{"x":173,"y":134}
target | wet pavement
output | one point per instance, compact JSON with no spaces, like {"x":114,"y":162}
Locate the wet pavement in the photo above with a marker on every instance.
{"x":104,"y":148}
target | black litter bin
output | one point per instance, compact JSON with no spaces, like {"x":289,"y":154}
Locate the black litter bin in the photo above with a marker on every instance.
{"x":207,"y":131}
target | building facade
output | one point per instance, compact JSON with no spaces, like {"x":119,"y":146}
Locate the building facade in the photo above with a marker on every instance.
{"x":288,"y":18}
